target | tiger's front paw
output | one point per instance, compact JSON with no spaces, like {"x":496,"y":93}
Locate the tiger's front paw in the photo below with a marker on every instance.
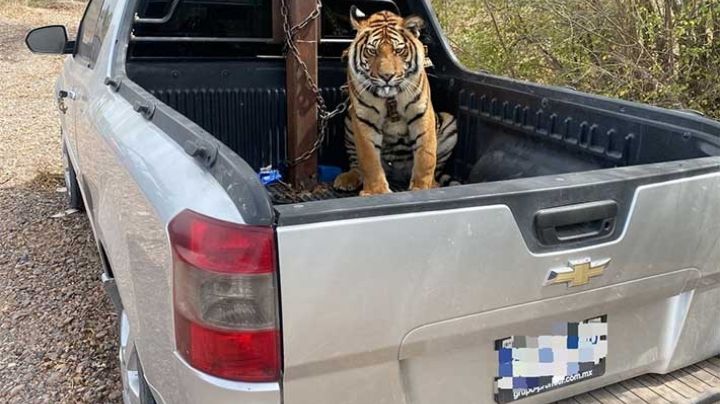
{"x":348,"y":181}
{"x":378,"y":189}
{"x":421,"y":185}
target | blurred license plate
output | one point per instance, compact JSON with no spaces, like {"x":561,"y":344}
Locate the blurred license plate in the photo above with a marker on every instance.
{"x":567,"y":354}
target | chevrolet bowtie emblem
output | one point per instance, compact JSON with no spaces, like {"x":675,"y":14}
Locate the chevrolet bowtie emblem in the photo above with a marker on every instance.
{"x":578,"y":272}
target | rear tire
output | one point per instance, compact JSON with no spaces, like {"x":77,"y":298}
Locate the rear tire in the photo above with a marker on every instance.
{"x":74,"y":197}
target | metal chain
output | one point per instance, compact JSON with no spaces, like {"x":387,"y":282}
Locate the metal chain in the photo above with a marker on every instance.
{"x":324,"y":116}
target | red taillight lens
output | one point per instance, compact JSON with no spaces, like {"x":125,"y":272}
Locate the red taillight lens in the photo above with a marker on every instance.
{"x":218,"y":246}
{"x":250,"y":356}
{"x":225,"y":297}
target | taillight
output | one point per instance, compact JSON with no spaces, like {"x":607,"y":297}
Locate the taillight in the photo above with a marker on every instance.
{"x":225,"y":297}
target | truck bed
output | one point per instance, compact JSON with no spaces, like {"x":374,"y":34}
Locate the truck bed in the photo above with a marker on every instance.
{"x":507,"y":130}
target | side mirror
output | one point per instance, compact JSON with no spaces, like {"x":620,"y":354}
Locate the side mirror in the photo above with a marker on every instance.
{"x":52,"y":39}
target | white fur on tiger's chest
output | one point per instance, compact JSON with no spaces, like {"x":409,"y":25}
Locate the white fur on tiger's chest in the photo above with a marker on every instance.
{"x":398,"y":128}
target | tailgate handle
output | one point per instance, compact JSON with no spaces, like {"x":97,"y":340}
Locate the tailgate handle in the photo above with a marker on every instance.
{"x":585,"y":221}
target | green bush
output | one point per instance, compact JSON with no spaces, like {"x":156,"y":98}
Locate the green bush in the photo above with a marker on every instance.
{"x":663,"y":52}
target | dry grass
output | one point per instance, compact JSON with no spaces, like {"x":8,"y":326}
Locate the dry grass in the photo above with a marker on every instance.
{"x":42,"y":11}
{"x":29,"y":126}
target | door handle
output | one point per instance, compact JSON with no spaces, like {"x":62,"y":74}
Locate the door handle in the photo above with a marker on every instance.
{"x":62,"y":96}
{"x":67,"y":94}
{"x":585,"y":221}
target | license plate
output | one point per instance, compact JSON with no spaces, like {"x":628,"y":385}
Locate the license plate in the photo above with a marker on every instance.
{"x":568,"y":353}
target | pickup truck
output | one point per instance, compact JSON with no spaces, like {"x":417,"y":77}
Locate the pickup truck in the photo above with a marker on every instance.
{"x":579,"y":229}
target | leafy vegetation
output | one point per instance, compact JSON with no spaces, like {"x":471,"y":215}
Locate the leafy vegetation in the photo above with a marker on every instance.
{"x":663,"y":52}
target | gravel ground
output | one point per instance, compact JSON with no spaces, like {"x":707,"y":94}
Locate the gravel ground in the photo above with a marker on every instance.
{"x":57,"y":327}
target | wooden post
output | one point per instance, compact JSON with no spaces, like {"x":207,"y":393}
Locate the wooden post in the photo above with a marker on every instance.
{"x":301,"y":105}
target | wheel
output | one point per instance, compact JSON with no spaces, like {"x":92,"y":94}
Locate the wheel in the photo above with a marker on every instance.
{"x":134,"y":385}
{"x":74,"y":197}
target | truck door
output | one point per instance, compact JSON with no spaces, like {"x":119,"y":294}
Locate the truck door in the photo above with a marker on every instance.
{"x":89,"y":76}
{"x":80,"y":71}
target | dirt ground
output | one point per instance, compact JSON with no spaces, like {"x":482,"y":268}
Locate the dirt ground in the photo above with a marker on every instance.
{"x":57,"y":327}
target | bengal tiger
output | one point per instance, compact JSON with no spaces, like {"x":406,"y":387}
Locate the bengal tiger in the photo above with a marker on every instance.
{"x":392,"y":130}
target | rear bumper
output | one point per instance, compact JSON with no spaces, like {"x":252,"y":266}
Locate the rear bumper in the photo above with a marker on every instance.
{"x":655,"y":325}
{"x":198,"y":387}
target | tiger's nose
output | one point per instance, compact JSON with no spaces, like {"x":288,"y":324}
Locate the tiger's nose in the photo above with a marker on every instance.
{"x":387,"y":77}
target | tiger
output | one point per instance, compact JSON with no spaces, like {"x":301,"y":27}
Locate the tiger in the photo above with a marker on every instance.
{"x":391,"y":129}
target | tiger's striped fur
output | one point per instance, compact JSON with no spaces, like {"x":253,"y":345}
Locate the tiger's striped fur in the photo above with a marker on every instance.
{"x":393,"y":129}
{"x":397,"y":152}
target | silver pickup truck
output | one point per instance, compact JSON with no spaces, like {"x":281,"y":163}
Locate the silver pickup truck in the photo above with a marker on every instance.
{"x":578,"y":246}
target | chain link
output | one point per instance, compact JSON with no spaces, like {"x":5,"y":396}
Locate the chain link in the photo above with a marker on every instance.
{"x":324,"y":116}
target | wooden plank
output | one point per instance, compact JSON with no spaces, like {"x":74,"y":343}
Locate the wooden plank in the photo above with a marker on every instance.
{"x":715,"y":361}
{"x":645,"y":393}
{"x":605,"y":397}
{"x":302,"y":107}
{"x":682,"y":388}
{"x":675,"y":387}
{"x":627,"y":395}
{"x":586,"y":398}
{"x":710,"y":368}
{"x":690,"y":380}
{"x":659,"y":388}
{"x":703,"y":375}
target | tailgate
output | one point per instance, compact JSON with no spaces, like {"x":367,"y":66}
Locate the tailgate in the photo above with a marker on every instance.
{"x":426,"y":307}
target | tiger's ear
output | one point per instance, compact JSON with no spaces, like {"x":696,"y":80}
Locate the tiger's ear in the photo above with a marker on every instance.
{"x":414,"y":24}
{"x":357,"y":17}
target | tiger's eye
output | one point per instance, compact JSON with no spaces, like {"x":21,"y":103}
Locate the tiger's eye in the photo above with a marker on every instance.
{"x":371,"y":51}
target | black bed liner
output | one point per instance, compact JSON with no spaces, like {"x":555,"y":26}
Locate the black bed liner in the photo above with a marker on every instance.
{"x":243,"y":104}
{"x":504,"y":133}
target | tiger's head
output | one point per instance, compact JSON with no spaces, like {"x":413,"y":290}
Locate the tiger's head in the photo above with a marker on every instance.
{"x":387,"y":56}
